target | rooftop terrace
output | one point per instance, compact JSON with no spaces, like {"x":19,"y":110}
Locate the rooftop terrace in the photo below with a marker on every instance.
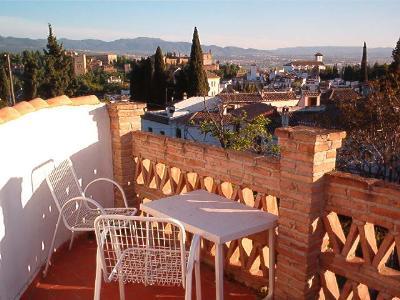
{"x":77,"y":282}
{"x":337,"y":238}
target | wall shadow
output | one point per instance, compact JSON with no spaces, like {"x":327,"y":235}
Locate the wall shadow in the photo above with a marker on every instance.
{"x":28,"y":217}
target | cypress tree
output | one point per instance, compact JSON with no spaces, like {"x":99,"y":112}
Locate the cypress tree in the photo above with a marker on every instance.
{"x":395,"y":66}
{"x":140,"y":81}
{"x":197,"y":85}
{"x":30,"y":76}
{"x":58,"y":66}
{"x":159,"y":83}
{"x":4,"y":85}
{"x":364,"y":69}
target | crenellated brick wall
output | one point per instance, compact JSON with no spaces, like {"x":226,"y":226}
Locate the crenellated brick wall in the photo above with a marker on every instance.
{"x":336,"y":231}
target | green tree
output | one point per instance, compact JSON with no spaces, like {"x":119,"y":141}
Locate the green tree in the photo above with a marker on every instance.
{"x":364,"y":66}
{"x":228,"y":71}
{"x":140,"y":81}
{"x":4,"y":86}
{"x":197,"y":84}
{"x":238,"y":132}
{"x":58,"y":68}
{"x":351,"y":73}
{"x":30,"y":80}
{"x":159,"y":80}
{"x":181,"y":82}
{"x":395,"y":66}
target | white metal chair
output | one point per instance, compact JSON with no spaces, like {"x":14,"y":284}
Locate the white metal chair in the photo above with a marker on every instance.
{"x":77,"y":210}
{"x":145,"y":250}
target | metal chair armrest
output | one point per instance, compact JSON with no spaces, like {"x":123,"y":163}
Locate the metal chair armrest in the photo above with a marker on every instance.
{"x":111,"y":181}
{"x":91,"y":201}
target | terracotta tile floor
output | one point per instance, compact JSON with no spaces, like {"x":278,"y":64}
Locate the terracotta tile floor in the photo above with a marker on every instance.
{"x":72,"y":277}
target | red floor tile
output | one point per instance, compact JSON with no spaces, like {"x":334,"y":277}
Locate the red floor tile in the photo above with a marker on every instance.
{"x":72,"y":277}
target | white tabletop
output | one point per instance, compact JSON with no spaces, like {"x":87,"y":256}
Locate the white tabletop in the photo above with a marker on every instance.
{"x":213,"y":217}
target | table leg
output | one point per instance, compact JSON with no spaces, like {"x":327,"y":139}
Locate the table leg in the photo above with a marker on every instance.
{"x":271,"y":277}
{"x":219,"y":271}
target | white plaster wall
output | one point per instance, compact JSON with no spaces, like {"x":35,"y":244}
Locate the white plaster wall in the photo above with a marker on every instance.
{"x":27,"y":211}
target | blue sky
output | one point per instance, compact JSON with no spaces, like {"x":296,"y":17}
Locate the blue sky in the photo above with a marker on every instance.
{"x":258,"y":24}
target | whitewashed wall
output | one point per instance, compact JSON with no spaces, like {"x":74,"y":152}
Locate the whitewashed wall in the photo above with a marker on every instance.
{"x":27,"y":211}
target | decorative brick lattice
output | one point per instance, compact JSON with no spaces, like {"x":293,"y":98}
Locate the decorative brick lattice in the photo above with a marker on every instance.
{"x":361,"y":246}
{"x":181,"y":166}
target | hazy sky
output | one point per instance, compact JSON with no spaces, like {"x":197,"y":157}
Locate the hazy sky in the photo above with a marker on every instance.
{"x":257,"y":24}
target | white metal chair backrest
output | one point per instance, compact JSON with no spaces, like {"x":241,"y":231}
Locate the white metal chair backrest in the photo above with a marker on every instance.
{"x":64,"y":185}
{"x":141,"y":249}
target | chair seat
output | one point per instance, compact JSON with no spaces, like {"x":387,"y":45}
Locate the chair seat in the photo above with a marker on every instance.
{"x":85,"y":219}
{"x":149,"y":266}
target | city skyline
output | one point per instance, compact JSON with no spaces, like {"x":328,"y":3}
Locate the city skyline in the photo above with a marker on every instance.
{"x":252,"y":24}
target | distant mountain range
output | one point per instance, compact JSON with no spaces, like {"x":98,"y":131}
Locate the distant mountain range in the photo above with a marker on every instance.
{"x":145,"y":46}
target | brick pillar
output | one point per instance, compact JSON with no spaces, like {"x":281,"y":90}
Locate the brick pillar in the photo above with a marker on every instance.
{"x":124,"y":118}
{"x":306,"y":155}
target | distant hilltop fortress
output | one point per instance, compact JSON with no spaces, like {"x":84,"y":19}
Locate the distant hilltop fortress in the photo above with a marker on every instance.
{"x":173,"y":59}
{"x":299,"y":65}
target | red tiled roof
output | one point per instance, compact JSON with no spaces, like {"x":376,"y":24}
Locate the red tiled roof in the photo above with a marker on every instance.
{"x":278,"y":96}
{"x":240,"y":97}
{"x":340,"y":94}
{"x":310,"y":94}
{"x":256,"y":97}
{"x":211,"y":75}
{"x":200,"y":116}
{"x":254,"y":110}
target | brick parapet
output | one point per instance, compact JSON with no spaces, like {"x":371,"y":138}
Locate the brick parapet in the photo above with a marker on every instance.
{"x":307,"y":154}
{"x":245,"y":169}
{"x":124,"y":119}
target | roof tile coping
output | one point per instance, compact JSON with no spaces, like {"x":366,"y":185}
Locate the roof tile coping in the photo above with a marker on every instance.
{"x":39,"y":103}
{"x":58,"y":101}
{"x":25,"y":107}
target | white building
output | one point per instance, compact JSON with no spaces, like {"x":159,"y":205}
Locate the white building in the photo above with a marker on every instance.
{"x":253,"y":75}
{"x":213,"y":83}
{"x":175,"y":121}
{"x":305,"y":65}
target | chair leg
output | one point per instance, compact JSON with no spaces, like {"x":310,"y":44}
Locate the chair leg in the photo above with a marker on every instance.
{"x":71,"y":241}
{"x":197,"y":274}
{"x":51,"y":249}
{"x":97,"y":284}
{"x":121,"y":289}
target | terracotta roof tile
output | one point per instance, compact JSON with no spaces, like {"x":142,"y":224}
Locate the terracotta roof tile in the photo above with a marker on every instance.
{"x":279,"y":96}
{"x":38,"y":103}
{"x":311,"y":94}
{"x":197,"y":117}
{"x":85,"y":100}
{"x":340,"y":94}
{"x":24,"y":107}
{"x":58,"y":101}
{"x":211,"y":75}
{"x":254,"y":110}
{"x":240,"y":97}
{"x":9,"y":113}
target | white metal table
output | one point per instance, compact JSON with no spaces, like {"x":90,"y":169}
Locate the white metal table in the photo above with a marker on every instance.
{"x":218,"y":220}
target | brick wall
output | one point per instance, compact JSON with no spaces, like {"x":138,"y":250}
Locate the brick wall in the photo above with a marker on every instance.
{"x":124,"y":119}
{"x":336,"y":231}
{"x":256,"y":172}
{"x":359,"y":248}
